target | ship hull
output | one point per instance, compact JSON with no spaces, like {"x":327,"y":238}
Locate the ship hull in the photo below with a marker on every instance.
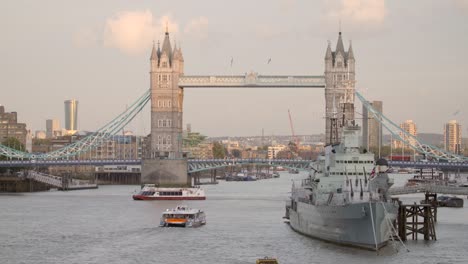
{"x":180,"y":198}
{"x":349,"y":225}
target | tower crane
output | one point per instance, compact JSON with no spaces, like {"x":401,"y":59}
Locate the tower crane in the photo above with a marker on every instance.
{"x":294,"y":139}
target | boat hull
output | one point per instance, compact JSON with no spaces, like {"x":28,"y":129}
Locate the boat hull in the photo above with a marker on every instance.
{"x":349,"y":225}
{"x":180,"y":198}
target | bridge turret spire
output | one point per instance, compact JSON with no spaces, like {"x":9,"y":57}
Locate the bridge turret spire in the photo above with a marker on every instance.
{"x":159,"y":50}
{"x":166,"y":47}
{"x":350,"y":51}
{"x":339,"y":45}
{"x":328,"y":53}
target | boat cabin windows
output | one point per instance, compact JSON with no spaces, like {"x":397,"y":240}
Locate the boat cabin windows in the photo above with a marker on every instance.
{"x":179,"y":216}
{"x":170,"y":193}
{"x":355,"y":161}
{"x":147,"y":193}
{"x":349,"y":173}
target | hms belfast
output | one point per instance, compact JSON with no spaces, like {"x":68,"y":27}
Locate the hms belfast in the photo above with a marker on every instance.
{"x":345,"y":198}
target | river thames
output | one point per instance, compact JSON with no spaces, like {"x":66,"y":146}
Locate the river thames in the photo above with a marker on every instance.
{"x":244,"y":222}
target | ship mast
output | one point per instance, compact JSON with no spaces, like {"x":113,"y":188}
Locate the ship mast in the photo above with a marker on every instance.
{"x":334,"y":124}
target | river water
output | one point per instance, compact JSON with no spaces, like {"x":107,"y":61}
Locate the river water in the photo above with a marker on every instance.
{"x":244,"y":222}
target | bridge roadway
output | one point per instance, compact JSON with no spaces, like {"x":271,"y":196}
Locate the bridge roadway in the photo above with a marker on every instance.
{"x":196,"y":163}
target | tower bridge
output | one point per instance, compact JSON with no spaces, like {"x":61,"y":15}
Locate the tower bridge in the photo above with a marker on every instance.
{"x":165,"y":162}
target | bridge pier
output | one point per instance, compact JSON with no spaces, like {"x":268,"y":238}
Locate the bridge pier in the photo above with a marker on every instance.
{"x":410,"y":224}
{"x":165,"y":172}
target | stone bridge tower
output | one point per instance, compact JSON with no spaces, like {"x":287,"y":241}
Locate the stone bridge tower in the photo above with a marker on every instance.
{"x":340,"y":84}
{"x":167,"y":97}
{"x":164,"y":163}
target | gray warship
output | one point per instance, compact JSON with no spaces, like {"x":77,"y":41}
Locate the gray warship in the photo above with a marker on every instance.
{"x":345,"y":198}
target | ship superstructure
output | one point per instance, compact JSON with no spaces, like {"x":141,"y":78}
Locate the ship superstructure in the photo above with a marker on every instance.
{"x":344,"y":199}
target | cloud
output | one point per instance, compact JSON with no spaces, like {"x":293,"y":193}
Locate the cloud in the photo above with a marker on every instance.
{"x":132,"y":32}
{"x":287,"y":5}
{"x":197,"y":27}
{"x":461,"y":5}
{"x":357,"y":14}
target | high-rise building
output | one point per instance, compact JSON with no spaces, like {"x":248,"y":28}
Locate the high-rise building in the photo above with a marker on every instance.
{"x":410,"y":127}
{"x":71,"y":115}
{"x":40,"y":134}
{"x":53,"y":128}
{"x":339,"y":89}
{"x":371,"y":128}
{"x":452,"y":137}
{"x":167,"y":64}
{"x":9,"y":126}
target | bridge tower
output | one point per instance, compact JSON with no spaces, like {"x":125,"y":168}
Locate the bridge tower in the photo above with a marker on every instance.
{"x":164,"y":163}
{"x":167,"y":65}
{"x":339,"y":83}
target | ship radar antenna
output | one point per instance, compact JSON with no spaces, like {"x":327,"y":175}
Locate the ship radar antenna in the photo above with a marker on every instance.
{"x":334,"y":111}
{"x":333,"y":123}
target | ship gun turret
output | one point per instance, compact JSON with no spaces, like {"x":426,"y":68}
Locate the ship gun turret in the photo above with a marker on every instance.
{"x":379,"y":181}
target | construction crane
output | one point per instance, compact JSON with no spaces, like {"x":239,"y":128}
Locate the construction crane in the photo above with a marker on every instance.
{"x":294,"y":139}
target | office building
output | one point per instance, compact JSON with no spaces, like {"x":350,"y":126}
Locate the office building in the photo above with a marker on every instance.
{"x":53,"y":129}
{"x":371,"y":128}
{"x":452,"y":137}
{"x":71,"y":115}
{"x":9,"y":126}
{"x":410,"y":127}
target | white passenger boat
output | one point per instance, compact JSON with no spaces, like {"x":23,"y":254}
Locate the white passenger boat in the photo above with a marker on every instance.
{"x":151,"y":192}
{"x":183,"y":216}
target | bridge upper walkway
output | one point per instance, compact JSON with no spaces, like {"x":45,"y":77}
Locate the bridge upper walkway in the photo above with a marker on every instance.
{"x":252,"y":80}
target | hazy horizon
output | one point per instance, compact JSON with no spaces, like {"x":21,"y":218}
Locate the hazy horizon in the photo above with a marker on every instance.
{"x":98,"y":53}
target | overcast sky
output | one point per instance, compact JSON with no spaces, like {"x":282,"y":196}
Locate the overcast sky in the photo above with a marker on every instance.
{"x":412,"y":55}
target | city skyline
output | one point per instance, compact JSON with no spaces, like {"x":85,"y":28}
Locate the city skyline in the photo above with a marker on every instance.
{"x":96,"y":60}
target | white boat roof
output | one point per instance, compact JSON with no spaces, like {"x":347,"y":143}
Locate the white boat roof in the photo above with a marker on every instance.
{"x":169,"y":189}
{"x":182,"y":210}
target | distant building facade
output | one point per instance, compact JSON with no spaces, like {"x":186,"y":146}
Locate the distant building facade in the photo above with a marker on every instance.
{"x":371,"y":128}
{"x":116,"y":147}
{"x":71,"y":115}
{"x":9,"y":126}
{"x":274,"y":150}
{"x":53,"y":129}
{"x":453,"y":137}
{"x":410,"y":127}
{"x":203,"y":150}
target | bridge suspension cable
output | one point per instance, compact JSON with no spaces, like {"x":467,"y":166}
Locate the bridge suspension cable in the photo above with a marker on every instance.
{"x":91,"y":141}
{"x":405,"y":137}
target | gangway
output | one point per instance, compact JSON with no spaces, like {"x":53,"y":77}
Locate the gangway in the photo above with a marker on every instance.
{"x":431,"y":188}
{"x":60,"y":182}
